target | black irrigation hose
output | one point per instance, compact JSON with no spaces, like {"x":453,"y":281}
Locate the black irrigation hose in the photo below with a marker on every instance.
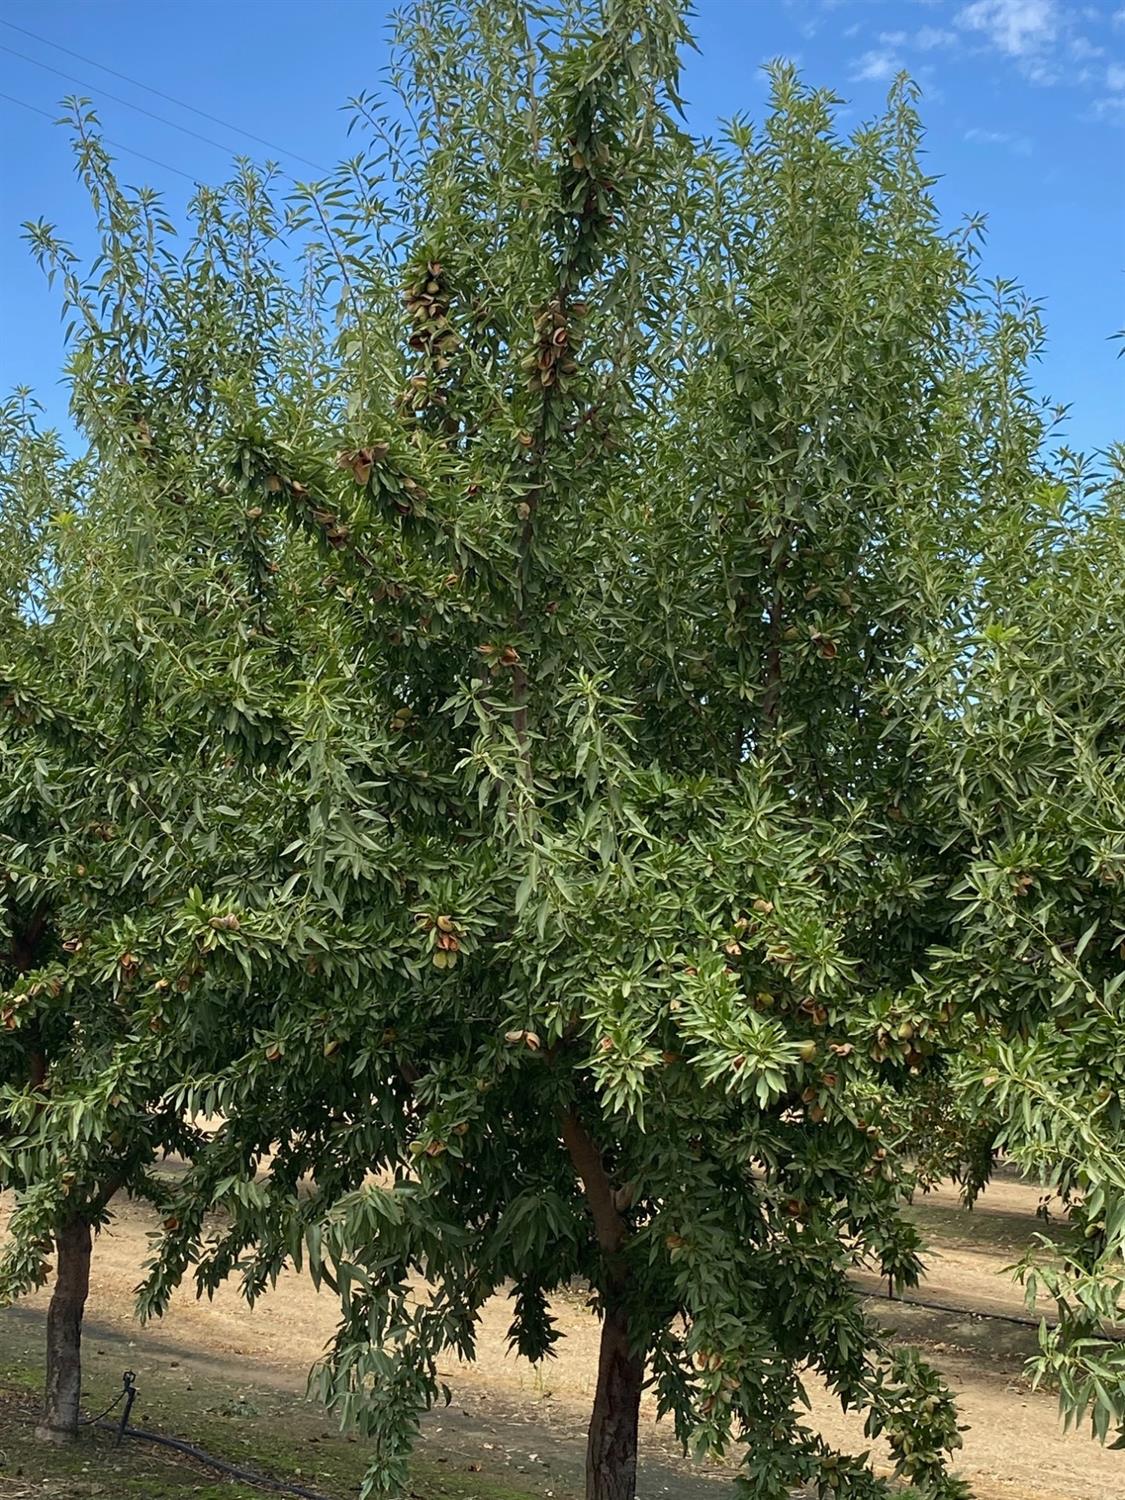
{"x":248,"y":1476}
{"x":281,"y":1487}
{"x":105,"y":1411}
{"x":972,"y":1312}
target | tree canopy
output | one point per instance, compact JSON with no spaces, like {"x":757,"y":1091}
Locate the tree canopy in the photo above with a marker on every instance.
{"x":550,"y":715}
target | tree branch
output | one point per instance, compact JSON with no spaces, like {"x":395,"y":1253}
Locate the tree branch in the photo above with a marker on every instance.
{"x":771,"y":698}
{"x":36,"y":1069}
{"x":609,"y":1224}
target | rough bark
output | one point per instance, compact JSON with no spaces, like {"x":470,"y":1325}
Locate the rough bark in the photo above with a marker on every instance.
{"x":611,"y":1447}
{"x":64,"y":1333}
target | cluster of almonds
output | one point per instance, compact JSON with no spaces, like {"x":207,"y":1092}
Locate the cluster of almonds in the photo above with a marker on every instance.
{"x":586,"y":186}
{"x":362,"y":460}
{"x":413,"y":501}
{"x":813,"y":1097}
{"x":324,"y":521}
{"x":733,"y":947}
{"x":499,"y":656}
{"x":825,"y":646}
{"x":551,"y":361}
{"x":816,"y":1012}
{"x":52,"y":987}
{"x":523,"y":1037}
{"x":404,"y":493}
{"x":900,"y":1042}
{"x":447,"y":942}
{"x":427,"y":299}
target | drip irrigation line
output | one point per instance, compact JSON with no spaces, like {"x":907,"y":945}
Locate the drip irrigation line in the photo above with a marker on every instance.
{"x":248,"y":1476}
{"x":972,"y":1312}
{"x":98,"y":1420}
{"x":283,"y":1487}
{"x":200,"y":1455}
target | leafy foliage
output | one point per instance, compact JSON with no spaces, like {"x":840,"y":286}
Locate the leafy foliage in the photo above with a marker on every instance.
{"x":1026,"y":720}
{"x":533,"y":621}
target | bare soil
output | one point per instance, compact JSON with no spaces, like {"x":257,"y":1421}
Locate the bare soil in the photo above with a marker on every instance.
{"x":526,"y":1425}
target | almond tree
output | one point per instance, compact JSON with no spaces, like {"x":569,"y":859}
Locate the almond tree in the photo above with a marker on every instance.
{"x":106,"y":762}
{"x":1026,"y":713}
{"x":55,"y":1034}
{"x":533,"y":585}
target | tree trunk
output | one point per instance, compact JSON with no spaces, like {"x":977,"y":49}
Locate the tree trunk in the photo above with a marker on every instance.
{"x":64,"y":1333}
{"x":611,"y":1448}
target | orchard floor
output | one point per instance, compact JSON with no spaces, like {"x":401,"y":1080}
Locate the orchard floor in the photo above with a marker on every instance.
{"x":232,"y":1380}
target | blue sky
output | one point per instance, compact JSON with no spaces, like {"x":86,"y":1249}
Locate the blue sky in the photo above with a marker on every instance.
{"x":1024,"y":103}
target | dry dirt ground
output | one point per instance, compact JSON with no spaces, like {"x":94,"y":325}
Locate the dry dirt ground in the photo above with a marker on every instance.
{"x":526,"y":1426}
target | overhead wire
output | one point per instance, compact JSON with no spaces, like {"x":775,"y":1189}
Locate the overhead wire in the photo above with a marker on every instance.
{"x":117,"y":99}
{"x":160,"y":94}
{"x":117,"y":145}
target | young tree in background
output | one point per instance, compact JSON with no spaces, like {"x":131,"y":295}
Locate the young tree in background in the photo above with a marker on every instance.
{"x":72,"y":1137}
{"x":1024,"y":737}
{"x":107,"y":762}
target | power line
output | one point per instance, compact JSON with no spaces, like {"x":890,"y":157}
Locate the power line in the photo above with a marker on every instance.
{"x":117,"y":145}
{"x":117,"y":99}
{"x":46,"y":113}
{"x":179,"y":103}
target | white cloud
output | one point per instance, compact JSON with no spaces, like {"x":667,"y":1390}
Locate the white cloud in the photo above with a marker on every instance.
{"x":1042,"y":70}
{"x":1019,"y":144}
{"x":876,"y":67}
{"x":1049,"y":43}
{"x":929,"y":37}
{"x":1081,"y":47}
{"x":1018,"y":28}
